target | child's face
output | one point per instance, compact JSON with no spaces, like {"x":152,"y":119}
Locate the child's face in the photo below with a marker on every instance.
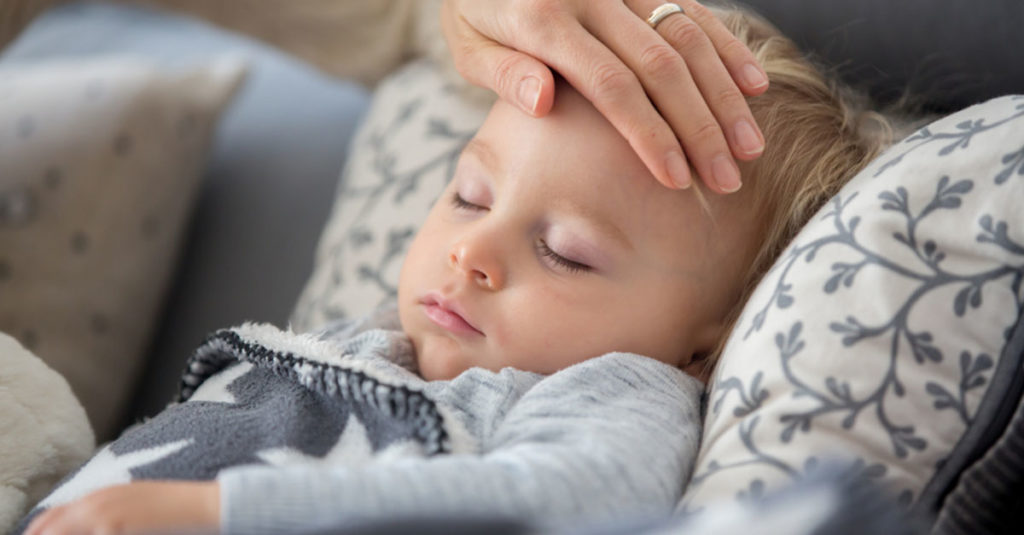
{"x":553,"y":244}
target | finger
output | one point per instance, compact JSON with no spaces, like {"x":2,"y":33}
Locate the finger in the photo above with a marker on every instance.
{"x":667,"y":79}
{"x":517,"y":78}
{"x":739,"y":60}
{"x":44,"y":522}
{"x":715,"y":83}
{"x":615,"y":91}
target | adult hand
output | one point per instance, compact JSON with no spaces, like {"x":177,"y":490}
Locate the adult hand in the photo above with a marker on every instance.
{"x":141,"y":507}
{"x":674,"y":92}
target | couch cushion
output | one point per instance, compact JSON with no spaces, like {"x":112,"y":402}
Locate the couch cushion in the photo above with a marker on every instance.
{"x":942,"y":54}
{"x":100,"y":163}
{"x":268,"y":186}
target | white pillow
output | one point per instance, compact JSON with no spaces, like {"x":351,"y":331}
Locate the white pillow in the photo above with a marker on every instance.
{"x":99,"y":166}
{"x":879,"y":338}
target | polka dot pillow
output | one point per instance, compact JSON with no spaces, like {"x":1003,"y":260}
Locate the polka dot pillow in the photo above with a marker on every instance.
{"x":887,"y":337}
{"x":100,"y":161}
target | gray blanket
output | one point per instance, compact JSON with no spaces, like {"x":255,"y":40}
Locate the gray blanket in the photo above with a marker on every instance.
{"x":283,"y":407}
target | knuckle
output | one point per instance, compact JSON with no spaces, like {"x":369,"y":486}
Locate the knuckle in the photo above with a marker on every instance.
{"x":536,"y":13}
{"x":612,"y":82}
{"x":463,"y":55}
{"x":684,"y":34}
{"x":647,"y":133}
{"x":729,"y":99}
{"x":505,"y":74}
{"x":659,"y":60}
{"x":109,"y":527}
{"x":733,"y":48}
{"x":700,"y":13}
{"x":704,"y":133}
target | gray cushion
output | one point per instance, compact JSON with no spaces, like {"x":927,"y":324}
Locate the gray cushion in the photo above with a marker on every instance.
{"x":948,"y":54}
{"x":987,"y":496}
{"x":271,"y":175}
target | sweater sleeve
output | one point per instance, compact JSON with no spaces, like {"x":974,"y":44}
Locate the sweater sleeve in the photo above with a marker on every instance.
{"x":616,"y":435}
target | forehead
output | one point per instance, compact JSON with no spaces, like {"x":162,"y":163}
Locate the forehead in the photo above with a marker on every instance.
{"x":573,"y":159}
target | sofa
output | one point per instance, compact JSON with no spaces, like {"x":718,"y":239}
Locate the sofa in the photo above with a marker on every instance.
{"x":266,"y":231}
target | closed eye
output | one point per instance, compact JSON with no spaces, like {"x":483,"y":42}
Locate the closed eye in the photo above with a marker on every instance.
{"x":571,"y":266}
{"x":463,"y":204}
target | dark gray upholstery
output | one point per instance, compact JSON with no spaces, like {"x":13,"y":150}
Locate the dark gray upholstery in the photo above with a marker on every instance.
{"x":987,"y":496}
{"x":948,"y":54}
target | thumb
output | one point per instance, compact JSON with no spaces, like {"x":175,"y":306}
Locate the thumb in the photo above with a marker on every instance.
{"x":517,"y":78}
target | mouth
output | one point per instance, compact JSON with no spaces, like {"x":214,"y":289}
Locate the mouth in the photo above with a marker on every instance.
{"x":448,"y":315}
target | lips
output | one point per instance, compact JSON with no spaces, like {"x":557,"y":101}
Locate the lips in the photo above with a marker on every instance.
{"x":448,"y":315}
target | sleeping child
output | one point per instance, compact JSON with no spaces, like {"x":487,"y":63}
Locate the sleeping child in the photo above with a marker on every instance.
{"x":556,"y":315}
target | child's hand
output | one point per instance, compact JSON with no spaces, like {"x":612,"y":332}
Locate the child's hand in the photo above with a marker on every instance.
{"x":142,"y":507}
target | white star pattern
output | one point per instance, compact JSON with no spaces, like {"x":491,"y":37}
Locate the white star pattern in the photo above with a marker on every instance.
{"x":106,"y":469}
{"x":215,"y":388}
{"x":352,"y":449}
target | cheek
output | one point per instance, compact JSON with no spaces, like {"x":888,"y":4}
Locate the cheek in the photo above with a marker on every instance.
{"x":549,"y":327}
{"x":426,"y":249}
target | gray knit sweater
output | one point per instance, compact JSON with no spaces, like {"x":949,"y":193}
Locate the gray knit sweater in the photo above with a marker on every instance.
{"x":616,"y":435}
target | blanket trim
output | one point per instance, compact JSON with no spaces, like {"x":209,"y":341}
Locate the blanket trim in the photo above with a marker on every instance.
{"x":226,"y":347}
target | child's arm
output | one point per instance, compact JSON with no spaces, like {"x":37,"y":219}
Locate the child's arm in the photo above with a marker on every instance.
{"x":614,"y":436}
{"x":140,"y":507}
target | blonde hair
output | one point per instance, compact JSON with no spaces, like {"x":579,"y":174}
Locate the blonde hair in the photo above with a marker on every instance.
{"x":817,"y":136}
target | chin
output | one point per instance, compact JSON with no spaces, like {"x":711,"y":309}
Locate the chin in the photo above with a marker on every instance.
{"x":440,"y":367}
{"x":438,"y":358}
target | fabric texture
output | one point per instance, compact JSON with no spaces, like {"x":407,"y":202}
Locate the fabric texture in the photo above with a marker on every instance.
{"x":329,"y":429}
{"x":878,"y":338}
{"x":268,"y":183}
{"x":401,"y":158}
{"x":99,"y":166}
{"x":352,"y":39}
{"x":936,"y":55}
{"x":986,"y":497}
{"x":42,"y":437}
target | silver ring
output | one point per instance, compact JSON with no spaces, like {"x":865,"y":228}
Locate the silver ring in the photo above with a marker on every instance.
{"x":663,"y":11}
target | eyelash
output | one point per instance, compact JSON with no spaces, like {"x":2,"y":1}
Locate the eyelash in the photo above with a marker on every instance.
{"x":459,"y":202}
{"x":569,"y":265}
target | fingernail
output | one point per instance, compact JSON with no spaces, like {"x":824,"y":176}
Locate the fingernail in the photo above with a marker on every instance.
{"x":529,"y":93}
{"x":747,"y":138}
{"x":677,"y":170}
{"x":726,"y":173}
{"x":756,"y":78}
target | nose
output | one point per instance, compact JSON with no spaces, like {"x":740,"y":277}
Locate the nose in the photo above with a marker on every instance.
{"x":476,"y":258}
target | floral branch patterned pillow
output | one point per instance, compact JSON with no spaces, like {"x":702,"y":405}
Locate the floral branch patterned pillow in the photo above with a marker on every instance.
{"x":887,"y":336}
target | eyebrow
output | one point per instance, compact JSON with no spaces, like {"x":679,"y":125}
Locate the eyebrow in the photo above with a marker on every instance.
{"x":484,"y":152}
